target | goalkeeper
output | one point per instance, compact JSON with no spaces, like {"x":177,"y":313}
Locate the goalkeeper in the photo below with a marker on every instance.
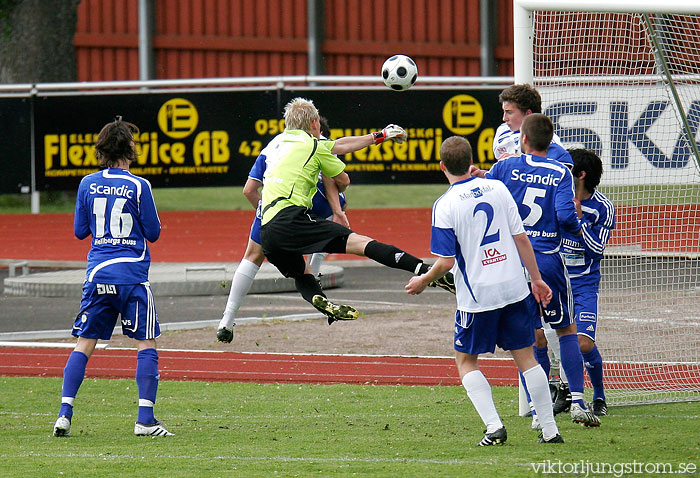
{"x":327,"y":202}
{"x":290,"y":229}
{"x":582,"y":255}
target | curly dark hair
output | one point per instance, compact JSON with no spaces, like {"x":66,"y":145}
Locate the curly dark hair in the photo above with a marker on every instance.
{"x":115,"y":143}
{"x":588,"y":161}
{"x":524,"y":96}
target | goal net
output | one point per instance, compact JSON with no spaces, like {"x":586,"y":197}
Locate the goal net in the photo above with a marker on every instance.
{"x":627,"y":86}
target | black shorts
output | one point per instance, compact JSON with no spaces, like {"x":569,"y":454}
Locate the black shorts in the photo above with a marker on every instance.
{"x":296,"y":231}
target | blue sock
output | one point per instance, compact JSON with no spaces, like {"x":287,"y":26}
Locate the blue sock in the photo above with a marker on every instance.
{"x":73,"y":375}
{"x":542,"y":356}
{"x":594,"y":364}
{"x":572,"y":362}
{"x":147,"y":383}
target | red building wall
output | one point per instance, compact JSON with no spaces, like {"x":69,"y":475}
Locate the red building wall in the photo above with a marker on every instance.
{"x":222,"y":38}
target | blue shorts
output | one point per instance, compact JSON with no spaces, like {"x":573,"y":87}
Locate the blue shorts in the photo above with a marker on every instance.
{"x":553,"y":272}
{"x":586,"y":306}
{"x":509,"y":327}
{"x":101,"y":305}
{"x":322,"y":208}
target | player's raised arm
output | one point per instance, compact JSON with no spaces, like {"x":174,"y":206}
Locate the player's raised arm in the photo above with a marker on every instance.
{"x":350,"y":144}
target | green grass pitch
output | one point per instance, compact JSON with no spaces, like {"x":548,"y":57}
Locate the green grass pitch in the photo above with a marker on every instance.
{"x":252,"y":430}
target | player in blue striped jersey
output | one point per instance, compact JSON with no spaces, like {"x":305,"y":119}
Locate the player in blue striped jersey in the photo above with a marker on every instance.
{"x":476,"y":228}
{"x":327,"y":203}
{"x":543,"y":189}
{"x":582,"y":255}
{"x":517,"y":102}
{"x":118,"y":210}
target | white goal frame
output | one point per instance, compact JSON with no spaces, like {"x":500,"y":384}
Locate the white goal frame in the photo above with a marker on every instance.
{"x":523,"y":25}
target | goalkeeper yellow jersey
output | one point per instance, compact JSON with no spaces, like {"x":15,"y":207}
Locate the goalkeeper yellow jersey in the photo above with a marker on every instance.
{"x":292,"y":171}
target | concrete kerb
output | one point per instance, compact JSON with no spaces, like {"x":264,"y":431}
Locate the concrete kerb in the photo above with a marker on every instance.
{"x":166,"y":279}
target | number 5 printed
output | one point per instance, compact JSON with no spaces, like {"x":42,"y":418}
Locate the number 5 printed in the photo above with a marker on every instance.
{"x":120,"y":223}
{"x":531,"y":195}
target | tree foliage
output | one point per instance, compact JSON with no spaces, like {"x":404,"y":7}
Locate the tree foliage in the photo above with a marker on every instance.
{"x":37,"y":41}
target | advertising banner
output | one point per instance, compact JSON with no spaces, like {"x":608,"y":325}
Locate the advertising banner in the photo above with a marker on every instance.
{"x":213,"y":138}
{"x":185,"y":139}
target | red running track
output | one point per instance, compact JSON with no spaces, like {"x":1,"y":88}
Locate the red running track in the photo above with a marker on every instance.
{"x":199,"y":236}
{"x":258,"y":368}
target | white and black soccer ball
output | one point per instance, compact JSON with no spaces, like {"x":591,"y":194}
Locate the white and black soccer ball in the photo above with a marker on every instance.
{"x":399,"y":72}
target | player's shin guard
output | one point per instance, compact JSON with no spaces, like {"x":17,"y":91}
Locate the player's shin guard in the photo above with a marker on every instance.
{"x":538,"y":385}
{"x":308,"y":287}
{"x":594,"y":364}
{"x":572,"y":363}
{"x":73,"y":375}
{"x":394,"y":257}
{"x":479,"y":392}
{"x":147,"y":382}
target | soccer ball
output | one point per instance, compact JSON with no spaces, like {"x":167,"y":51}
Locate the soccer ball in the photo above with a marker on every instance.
{"x":399,"y":72}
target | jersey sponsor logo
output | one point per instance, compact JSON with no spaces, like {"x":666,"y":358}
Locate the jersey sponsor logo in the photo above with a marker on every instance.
{"x":492,"y":255}
{"x":532,"y":233}
{"x":122,"y":190}
{"x":587,"y":317}
{"x":548,"y":180}
{"x":115,"y":241}
{"x":476,"y":192}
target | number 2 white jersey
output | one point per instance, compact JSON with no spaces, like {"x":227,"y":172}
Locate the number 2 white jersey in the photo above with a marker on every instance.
{"x":474,"y":222}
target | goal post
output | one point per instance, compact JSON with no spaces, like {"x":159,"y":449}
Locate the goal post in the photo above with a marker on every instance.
{"x":622,"y":78}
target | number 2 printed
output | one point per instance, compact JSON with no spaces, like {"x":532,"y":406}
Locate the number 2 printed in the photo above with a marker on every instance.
{"x":487,"y":209}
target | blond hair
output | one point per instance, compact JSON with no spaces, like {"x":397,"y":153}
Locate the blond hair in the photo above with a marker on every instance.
{"x":299,"y":114}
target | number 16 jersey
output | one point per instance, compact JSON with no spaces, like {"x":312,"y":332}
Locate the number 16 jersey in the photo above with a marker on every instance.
{"x":118,"y":210}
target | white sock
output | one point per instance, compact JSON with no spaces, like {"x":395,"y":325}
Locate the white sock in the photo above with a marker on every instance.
{"x":538,"y":386}
{"x":240,"y":285}
{"x":315,"y":262}
{"x":479,"y":392}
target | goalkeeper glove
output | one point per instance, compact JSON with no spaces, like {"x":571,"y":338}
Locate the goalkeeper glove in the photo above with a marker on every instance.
{"x":393,"y":132}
